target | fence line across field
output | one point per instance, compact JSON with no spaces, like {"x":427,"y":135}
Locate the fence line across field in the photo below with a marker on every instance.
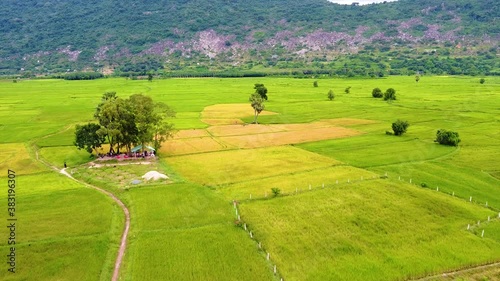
{"x":274,"y":267}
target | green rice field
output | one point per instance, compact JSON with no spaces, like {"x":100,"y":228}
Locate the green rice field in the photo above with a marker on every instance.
{"x":366,"y":206}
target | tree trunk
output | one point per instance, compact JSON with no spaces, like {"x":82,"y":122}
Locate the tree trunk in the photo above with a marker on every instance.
{"x":255,"y":119}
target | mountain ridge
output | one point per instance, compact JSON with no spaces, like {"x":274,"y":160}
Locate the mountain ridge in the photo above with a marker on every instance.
{"x":45,"y":36}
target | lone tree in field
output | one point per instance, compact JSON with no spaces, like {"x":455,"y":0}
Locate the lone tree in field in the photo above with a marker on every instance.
{"x":447,"y":137}
{"x":261,"y":90}
{"x":390,"y":94}
{"x":417,"y":78}
{"x":377,"y":93}
{"x":482,"y":80}
{"x":257,"y":103}
{"x":330,"y":95}
{"x":399,"y":127}
{"x":86,"y":137}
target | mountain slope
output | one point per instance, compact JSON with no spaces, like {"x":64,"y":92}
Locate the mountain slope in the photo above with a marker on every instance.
{"x":54,"y":35}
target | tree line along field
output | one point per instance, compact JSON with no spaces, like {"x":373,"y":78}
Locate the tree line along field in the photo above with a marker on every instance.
{"x":371,"y":225}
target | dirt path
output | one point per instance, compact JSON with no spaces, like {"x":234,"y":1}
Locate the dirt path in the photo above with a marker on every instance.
{"x":123,"y":243}
{"x":457,"y":273}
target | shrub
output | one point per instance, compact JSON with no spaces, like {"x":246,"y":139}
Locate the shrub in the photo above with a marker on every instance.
{"x":447,"y":137}
{"x":423,"y":184}
{"x":390,"y":94}
{"x":330,"y":95}
{"x":315,"y":84}
{"x":399,"y":127}
{"x":377,"y":93}
{"x":482,"y":80}
{"x":347,"y":90}
{"x":276,"y":191}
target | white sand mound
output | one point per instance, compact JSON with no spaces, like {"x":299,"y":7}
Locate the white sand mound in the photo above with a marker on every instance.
{"x":154,"y":175}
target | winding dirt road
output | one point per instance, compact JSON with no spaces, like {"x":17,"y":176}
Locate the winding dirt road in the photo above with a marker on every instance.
{"x":123,"y":243}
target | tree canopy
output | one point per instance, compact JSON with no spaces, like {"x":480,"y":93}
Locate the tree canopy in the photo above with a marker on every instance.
{"x":447,"y":137}
{"x":124,"y":123}
{"x":86,"y":137}
{"x":257,"y":103}
{"x":261,"y":90}
{"x":399,"y":127}
{"x":390,"y":94}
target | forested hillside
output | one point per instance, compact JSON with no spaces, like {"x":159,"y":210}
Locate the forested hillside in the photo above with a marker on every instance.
{"x":54,"y":36}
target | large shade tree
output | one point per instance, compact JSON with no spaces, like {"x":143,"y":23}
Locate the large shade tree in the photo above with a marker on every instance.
{"x":127,"y":122}
{"x":86,"y":137}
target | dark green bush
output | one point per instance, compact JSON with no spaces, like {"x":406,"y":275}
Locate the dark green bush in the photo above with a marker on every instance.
{"x":447,"y":137}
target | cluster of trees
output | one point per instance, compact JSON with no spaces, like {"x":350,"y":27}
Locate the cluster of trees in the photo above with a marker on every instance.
{"x":80,"y":76}
{"x":123,"y":123}
{"x":388,"y":95}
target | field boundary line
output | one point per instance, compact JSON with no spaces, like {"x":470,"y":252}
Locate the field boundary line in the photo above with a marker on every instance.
{"x":338,"y":183}
{"x":260,"y":247}
{"x":457,"y":272}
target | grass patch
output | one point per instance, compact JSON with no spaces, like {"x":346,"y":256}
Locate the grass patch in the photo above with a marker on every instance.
{"x":15,"y":156}
{"x":368,"y":231}
{"x":378,"y":150}
{"x":288,"y":183}
{"x":195,"y":229}
{"x":219,"y":252}
{"x":219,"y":168}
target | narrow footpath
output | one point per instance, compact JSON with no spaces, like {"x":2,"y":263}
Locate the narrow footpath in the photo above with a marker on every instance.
{"x":123,"y":243}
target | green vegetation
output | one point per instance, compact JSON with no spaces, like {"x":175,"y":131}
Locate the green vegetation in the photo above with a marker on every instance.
{"x":81,"y":76}
{"x":399,"y":127}
{"x":371,"y":225}
{"x":261,"y":90}
{"x":369,"y":231}
{"x":276,"y":191}
{"x":257,"y":103}
{"x":137,"y":120}
{"x":390,"y":94}
{"x":447,"y":137}
{"x":330,"y":95}
{"x":86,"y":137}
{"x":377,"y":93}
{"x":136,"y":38}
